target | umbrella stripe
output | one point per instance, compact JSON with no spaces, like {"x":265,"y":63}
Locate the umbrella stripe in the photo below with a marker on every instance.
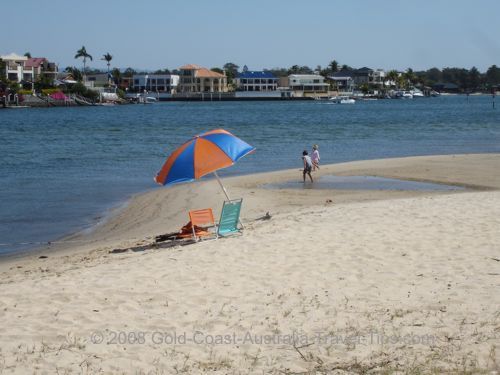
{"x":182,"y":169}
{"x":208,"y":157}
{"x":234,"y":147}
{"x":165,"y":169}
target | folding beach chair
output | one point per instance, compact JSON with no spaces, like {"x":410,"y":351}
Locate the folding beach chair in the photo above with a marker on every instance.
{"x":229,"y":218}
{"x":201,"y":221}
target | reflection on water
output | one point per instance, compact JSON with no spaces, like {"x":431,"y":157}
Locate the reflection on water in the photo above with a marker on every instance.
{"x":362,"y":183}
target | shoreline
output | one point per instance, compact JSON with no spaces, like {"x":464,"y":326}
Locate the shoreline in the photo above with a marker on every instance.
{"x":375,"y":281}
{"x":89,"y":237}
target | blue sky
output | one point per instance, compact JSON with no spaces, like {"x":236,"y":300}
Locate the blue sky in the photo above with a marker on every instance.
{"x":153,"y":34}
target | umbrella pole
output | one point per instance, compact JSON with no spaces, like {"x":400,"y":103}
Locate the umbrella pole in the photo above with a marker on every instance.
{"x":225,"y":192}
{"x":221,"y":185}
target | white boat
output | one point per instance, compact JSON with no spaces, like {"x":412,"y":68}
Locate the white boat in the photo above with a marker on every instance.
{"x":342,"y":100}
{"x":417,"y":93}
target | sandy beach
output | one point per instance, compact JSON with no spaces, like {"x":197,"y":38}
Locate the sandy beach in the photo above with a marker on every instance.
{"x":337,"y":281}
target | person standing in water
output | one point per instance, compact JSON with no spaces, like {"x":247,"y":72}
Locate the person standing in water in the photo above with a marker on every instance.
{"x":307,"y":165}
{"x":315,"y":157}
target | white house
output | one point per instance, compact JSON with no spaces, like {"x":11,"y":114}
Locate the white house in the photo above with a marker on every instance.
{"x":307,"y":83}
{"x":21,"y":68}
{"x":14,"y":66}
{"x":162,"y":83}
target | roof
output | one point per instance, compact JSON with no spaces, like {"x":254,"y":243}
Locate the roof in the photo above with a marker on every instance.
{"x":306,"y":76}
{"x":256,"y":74}
{"x":364,"y":70}
{"x":343,"y":74}
{"x":205,"y":73}
{"x":34,"y":62}
{"x":190,"y":67}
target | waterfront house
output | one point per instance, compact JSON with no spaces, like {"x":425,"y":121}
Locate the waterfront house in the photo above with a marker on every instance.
{"x":307,"y":83}
{"x":256,"y":81}
{"x":197,"y":79}
{"x":349,"y":79}
{"x":98,"y":80}
{"x":23,"y":69}
{"x":162,"y":83}
{"x":344,"y":80}
{"x":35,"y":67}
{"x":369,"y":76}
{"x":14,"y":66}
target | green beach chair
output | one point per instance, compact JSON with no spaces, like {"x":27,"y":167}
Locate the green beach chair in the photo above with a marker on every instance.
{"x":229,"y":218}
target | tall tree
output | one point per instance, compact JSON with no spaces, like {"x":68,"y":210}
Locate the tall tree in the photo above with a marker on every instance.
{"x":117,"y":75}
{"x":107,"y":57}
{"x":334,"y":66}
{"x":129,"y":72}
{"x":28,"y":55}
{"x":434,"y":75}
{"x":493,"y":75}
{"x":474,"y":78}
{"x":82,"y":53}
{"x":231,"y":71}
{"x":409,"y":77}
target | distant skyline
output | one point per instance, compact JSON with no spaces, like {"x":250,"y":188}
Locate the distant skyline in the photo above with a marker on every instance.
{"x":158,"y":34}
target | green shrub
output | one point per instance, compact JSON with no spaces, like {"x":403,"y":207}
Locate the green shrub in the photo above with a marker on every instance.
{"x":50,"y":91}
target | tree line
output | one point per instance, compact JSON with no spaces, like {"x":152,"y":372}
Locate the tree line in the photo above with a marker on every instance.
{"x":465,"y":79}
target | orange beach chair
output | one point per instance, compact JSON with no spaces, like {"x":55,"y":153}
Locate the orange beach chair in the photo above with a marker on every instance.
{"x":201,"y":222}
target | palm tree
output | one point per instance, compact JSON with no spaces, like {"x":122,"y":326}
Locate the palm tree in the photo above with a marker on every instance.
{"x":107,"y":57}
{"x":334,"y":66}
{"x":392,"y":76}
{"x":409,"y":77}
{"x":82,"y":52}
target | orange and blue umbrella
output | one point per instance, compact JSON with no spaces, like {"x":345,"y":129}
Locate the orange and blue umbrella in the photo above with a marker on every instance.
{"x":203,"y":154}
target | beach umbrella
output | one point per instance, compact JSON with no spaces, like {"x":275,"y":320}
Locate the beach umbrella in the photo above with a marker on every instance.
{"x":203,"y":154}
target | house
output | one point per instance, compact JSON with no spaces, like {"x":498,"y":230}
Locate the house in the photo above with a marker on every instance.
{"x":196,"y":79}
{"x":162,"y":83}
{"x":98,"y":79}
{"x":348,"y":79}
{"x":23,"y":69}
{"x":38,"y":66}
{"x":307,"y":83}
{"x":14,"y":66}
{"x":344,"y":80}
{"x":256,"y":81}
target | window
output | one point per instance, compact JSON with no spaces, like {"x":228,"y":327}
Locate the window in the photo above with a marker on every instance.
{"x":160,"y":81}
{"x":136,"y":82}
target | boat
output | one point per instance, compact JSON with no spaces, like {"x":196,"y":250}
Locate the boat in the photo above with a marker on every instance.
{"x":342,"y":100}
{"x":417,"y":93}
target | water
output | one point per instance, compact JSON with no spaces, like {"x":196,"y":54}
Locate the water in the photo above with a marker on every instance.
{"x":363,"y":183}
{"x":61,"y":168}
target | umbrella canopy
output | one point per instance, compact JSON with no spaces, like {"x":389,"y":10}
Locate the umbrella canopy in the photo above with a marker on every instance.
{"x":203,"y":154}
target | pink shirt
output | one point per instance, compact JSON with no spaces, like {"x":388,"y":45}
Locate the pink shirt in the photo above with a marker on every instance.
{"x":315,"y":156}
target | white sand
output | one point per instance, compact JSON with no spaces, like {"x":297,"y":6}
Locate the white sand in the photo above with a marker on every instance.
{"x":370,"y":282}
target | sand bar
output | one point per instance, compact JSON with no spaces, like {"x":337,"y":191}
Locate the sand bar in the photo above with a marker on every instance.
{"x":373,"y":280}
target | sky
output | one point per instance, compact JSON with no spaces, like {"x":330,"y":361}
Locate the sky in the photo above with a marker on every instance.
{"x":158,"y":34}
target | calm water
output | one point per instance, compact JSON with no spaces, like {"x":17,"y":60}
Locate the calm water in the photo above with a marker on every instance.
{"x":362,"y":183}
{"x":61,"y":168}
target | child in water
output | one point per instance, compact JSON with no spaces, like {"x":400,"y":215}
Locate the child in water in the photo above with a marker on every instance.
{"x":307,"y":165}
{"x":315,"y":157}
